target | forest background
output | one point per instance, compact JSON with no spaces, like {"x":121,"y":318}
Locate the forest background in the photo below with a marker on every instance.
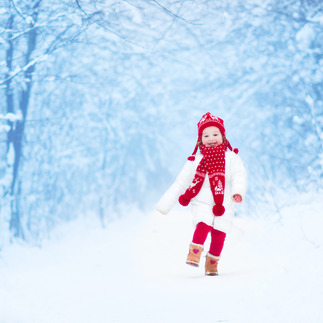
{"x":99,"y":102}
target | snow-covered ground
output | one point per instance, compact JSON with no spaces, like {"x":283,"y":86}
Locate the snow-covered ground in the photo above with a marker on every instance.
{"x":271,"y":270}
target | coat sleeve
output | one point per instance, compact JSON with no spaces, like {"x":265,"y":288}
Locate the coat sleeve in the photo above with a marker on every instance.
{"x":182,"y":182}
{"x":238,"y":177}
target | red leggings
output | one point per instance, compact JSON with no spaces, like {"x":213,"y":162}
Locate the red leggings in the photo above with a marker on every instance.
{"x":217,"y":238}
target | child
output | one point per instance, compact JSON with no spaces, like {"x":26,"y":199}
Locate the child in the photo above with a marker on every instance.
{"x":212,"y":180}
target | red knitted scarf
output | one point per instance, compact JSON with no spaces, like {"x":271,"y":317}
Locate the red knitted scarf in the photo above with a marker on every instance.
{"x":213,"y":164}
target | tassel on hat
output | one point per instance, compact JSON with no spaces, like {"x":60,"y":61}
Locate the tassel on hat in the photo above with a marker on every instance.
{"x":192,"y":157}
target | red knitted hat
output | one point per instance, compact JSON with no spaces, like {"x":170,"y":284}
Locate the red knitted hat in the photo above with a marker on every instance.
{"x":209,"y":120}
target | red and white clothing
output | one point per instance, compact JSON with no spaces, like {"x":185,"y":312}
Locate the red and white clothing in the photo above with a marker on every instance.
{"x":202,"y":204}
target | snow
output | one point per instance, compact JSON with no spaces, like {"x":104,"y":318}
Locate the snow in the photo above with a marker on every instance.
{"x":304,"y":37}
{"x":30,"y":21}
{"x":134,"y":270}
{"x":12,"y":117}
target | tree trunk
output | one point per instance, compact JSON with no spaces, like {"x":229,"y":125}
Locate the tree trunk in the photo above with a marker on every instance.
{"x":16,"y":133}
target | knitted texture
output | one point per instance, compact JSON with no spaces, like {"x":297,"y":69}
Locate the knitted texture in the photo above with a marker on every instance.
{"x":209,"y":120}
{"x":213,"y":164}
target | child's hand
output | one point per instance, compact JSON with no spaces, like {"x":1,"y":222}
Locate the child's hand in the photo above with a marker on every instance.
{"x":237,"y":198}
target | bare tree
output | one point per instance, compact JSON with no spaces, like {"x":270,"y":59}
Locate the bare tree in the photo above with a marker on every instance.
{"x":25,"y":27}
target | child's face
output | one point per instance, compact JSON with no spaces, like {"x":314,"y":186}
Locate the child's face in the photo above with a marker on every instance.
{"x":212,"y":137}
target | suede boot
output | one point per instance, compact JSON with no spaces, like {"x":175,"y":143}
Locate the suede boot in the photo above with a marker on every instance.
{"x":211,"y":265}
{"x":194,"y":255}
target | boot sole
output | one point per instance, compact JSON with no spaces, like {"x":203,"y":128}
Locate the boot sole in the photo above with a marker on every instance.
{"x":211,"y":274}
{"x":194,"y":264}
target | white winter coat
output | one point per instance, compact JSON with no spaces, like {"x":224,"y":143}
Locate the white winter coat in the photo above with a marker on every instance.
{"x":202,"y":203}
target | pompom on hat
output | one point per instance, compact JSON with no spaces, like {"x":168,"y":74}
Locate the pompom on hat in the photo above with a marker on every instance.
{"x":209,"y":120}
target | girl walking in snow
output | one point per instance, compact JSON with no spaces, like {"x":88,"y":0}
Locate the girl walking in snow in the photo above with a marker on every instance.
{"x":212,"y":179}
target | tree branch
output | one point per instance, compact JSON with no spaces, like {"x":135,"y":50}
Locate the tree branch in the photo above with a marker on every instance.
{"x":90,"y":17}
{"x":173,"y":14}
